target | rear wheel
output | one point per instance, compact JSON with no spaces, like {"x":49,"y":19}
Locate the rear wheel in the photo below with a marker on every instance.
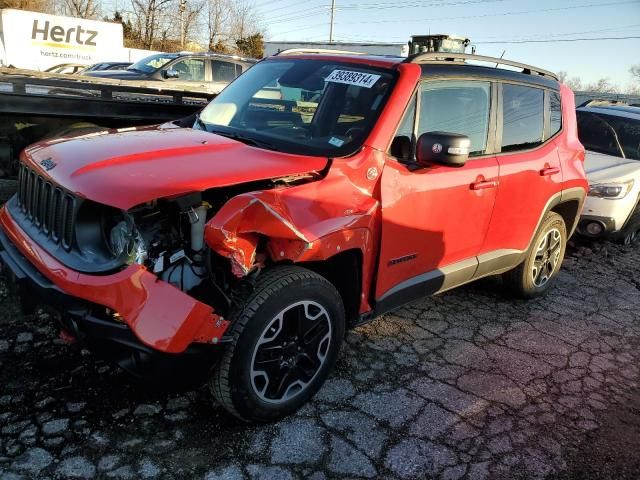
{"x":285,"y":342}
{"x":537,"y":272}
{"x":631,"y":233}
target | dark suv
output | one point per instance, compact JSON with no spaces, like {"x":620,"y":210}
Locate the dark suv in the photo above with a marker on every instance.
{"x":316,"y":192}
{"x":207,"y":71}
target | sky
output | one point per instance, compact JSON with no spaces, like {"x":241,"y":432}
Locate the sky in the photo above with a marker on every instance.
{"x":490,"y":24}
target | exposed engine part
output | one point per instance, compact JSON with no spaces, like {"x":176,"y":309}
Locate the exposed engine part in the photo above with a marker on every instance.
{"x":184,"y":274}
{"x":197,"y":228}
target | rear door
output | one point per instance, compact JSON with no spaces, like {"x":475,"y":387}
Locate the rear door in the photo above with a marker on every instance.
{"x":530,"y":173}
{"x":434,"y":220}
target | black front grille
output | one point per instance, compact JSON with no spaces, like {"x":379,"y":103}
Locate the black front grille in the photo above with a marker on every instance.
{"x":47,"y":207}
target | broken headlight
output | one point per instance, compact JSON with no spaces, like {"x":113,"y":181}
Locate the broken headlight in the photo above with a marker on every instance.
{"x":125,"y":241}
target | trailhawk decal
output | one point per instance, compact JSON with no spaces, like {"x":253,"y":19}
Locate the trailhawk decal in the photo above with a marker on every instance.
{"x":366,"y":80}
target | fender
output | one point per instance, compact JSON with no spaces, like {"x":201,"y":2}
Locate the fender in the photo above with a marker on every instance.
{"x":308,"y":222}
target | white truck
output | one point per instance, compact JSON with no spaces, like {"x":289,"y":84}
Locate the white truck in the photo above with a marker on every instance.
{"x":37,"y":41}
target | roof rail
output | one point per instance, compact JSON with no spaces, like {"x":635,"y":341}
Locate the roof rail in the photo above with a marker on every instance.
{"x":441,"y":57}
{"x":304,"y":51}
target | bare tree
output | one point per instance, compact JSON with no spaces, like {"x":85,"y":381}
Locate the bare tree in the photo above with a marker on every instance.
{"x":217,"y":17}
{"x":244,"y":20}
{"x":574,"y":83}
{"x":190,"y":18}
{"x":80,"y":8}
{"x":45,"y":6}
{"x":635,"y":72}
{"x":602,"y":85}
{"x":150,"y":20}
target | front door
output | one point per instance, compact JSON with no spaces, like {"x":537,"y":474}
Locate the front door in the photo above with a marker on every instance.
{"x":434,"y":219}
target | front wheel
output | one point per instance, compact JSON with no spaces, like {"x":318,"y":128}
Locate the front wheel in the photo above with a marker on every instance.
{"x":537,"y":272}
{"x":286,"y":339}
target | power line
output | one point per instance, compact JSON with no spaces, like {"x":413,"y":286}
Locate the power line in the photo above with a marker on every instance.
{"x":413,"y":4}
{"x":556,"y":40}
{"x":525,"y":12}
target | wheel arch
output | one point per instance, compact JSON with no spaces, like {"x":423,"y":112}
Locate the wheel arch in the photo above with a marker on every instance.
{"x":569,"y":210}
{"x":344,"y":272}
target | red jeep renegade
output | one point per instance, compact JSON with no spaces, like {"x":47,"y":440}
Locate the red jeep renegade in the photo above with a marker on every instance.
{"x":318,"y":191}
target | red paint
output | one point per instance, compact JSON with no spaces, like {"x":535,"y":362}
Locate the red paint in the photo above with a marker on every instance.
{"x":160,"y":315}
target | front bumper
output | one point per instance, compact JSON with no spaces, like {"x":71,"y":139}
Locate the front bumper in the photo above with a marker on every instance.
{"x":607,"y":224}
{"x":158,"y":316}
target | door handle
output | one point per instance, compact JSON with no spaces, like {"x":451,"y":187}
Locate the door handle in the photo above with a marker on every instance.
{"x":484,"y":184}
{"x":545,"y":172}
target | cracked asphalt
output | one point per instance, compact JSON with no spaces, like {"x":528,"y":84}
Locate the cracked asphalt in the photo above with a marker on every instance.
{"x":469,"y":384}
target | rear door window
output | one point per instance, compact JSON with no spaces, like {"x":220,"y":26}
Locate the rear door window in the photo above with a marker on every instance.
{"x":522,"y":117}
{"x":223,"y":71}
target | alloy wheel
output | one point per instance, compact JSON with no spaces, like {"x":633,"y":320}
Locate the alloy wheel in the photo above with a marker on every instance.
{"x":547,"y":257}
{"x":290,"y":352}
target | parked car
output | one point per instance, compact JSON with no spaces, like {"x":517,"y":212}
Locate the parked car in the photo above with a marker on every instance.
{"x":66,"y":68}
{"x":207,"y":71}
{"x":249,"y":238}
{"x":106,"y":66}
{"x":611,"y":136}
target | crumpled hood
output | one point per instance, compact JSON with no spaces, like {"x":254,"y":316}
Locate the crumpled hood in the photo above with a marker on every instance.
{"x":126,"y":168}
{"x":603,"y":168}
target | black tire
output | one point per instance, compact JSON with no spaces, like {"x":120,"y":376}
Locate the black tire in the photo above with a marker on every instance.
{"x":279,"y":289}
{"x":525,"y":282}
{"x":631,"y":232}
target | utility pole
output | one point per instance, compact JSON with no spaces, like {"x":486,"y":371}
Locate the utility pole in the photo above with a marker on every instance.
{"x":333,"y":12}
{"x":182,"y":8}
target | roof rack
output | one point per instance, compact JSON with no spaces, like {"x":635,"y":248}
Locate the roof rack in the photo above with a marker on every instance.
{"x":441,"y":57}
{"x":304,"y":51}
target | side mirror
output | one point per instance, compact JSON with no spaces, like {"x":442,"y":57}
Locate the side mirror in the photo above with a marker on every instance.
{"x":171,"y":73}
{"x":442,"y":148}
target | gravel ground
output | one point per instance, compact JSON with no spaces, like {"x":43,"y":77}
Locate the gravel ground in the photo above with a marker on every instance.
{"x":469,"y":384}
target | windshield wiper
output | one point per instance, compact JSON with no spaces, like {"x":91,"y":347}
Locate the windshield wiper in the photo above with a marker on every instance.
{"x":244,"y":139}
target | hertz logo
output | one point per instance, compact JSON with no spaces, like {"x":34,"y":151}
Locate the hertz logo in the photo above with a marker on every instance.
{"x":59,"y":34}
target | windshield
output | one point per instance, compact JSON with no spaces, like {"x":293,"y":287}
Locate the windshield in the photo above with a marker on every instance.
{"x":152,"y":63}
{"x":308,"y":107}
{"x":617,"y":136}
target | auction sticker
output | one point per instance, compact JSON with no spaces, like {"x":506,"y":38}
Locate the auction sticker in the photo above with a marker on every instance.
{"x":366,"y":80}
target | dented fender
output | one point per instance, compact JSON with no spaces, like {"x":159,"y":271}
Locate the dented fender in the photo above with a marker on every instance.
{"x":307,"y":222}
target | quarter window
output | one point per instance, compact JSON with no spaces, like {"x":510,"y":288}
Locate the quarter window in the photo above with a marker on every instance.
{"x":522,"y":116}
{"x":556,"y":113}
{"x":456,"y":107}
